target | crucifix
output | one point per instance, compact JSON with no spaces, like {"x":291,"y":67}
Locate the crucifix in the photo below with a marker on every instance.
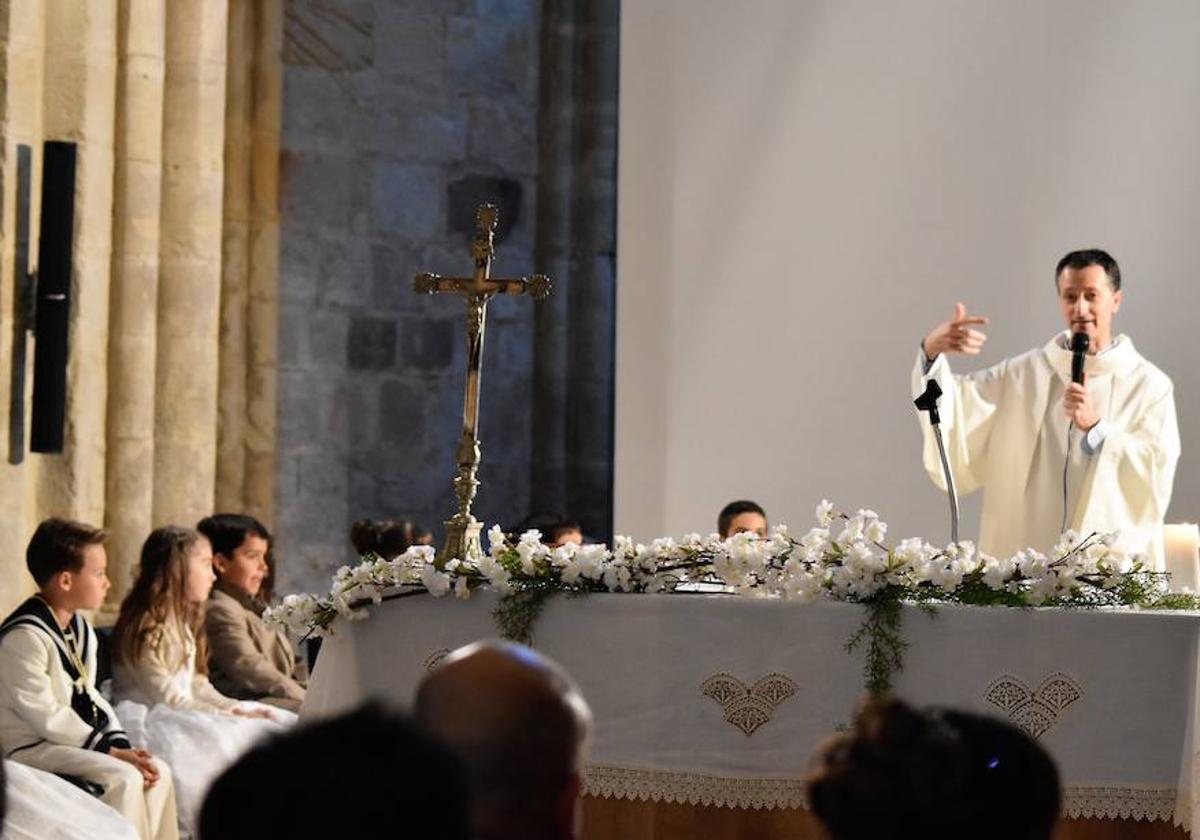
{"x":462,"y":530}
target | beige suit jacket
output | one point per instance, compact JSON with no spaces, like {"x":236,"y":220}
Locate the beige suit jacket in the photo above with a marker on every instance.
{"x":247,"y":659}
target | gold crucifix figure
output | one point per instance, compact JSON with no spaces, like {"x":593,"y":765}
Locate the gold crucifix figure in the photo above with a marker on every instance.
{"x":462,"y":530}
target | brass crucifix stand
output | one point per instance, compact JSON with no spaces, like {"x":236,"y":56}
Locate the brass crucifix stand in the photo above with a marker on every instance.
{"x":462,"y":530}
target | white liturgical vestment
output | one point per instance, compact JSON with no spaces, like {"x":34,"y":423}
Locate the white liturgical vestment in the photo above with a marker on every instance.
{"x":1005,"y":431}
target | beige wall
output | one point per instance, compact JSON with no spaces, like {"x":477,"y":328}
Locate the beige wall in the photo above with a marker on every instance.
{"x":791,"y":223}
{"x":174,"y":106}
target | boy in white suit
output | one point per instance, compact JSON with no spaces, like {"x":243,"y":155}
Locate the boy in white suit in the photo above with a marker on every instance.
{"x":51,"y":715}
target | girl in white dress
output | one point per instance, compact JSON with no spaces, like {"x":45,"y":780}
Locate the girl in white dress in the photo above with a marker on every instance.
{"x":160,"y":658}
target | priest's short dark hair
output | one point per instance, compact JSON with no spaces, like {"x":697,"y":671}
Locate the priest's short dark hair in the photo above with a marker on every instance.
{"x":1091,"y":256}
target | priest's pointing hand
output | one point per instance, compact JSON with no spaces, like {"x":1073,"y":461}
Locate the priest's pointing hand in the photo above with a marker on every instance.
{"x":1078,"y":406}
{"x":958,"y":335}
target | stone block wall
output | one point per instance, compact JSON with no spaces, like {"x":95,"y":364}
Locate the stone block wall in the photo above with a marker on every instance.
{"x":398,"y":119}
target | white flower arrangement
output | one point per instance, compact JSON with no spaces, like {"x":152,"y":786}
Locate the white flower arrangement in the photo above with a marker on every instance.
{"x":850,"y":563}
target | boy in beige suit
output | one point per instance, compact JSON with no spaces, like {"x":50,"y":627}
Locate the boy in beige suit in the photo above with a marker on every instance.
{"x":247,"y":659}
{"x":51,"y":715}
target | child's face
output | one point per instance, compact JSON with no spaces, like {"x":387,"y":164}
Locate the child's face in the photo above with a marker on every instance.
{"x":88,"y":586}
{"x":247,"y":567}
{"x":198,"y":573}
{"x":750,"y":521}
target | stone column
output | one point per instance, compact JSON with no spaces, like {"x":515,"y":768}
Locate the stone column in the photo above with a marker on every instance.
{"x":552,"y":249}
{"x":22,"y":52}
{"x":249,"y":298}
{"x":79,"y":105}
{"x":190,"y":261}
{"x":231,"y":409}
{"x":263,"y":316}
{"x":573,"y":339}
{"x":129,"y":494}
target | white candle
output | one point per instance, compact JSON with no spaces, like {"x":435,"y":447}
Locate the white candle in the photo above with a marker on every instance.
{"x":1181,"y":550}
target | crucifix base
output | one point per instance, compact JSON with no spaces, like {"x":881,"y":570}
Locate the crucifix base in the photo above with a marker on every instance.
{"x":462,"y":540}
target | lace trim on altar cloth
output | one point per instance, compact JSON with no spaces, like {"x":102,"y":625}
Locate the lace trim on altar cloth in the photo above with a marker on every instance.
{"x":609,"y":781}
{"x":1124,"y":803}
{"x":612,"y":782}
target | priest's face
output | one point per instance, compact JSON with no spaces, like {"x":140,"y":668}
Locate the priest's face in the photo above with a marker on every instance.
{"x":1089,"y":302}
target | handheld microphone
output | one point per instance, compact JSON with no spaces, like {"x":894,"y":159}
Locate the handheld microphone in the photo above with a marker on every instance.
{"x":1079,"y":348}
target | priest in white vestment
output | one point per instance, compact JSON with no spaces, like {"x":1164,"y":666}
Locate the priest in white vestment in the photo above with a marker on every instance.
{"x":1051,"y":454}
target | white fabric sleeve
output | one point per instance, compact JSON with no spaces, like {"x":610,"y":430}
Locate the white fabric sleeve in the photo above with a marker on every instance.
{"x":157,"y":679}
{"x":967,"y":407}
{"x":1094,"y":439}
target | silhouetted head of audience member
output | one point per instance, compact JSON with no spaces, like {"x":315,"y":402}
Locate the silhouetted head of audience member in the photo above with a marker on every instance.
{"x":741,"y":516}
{"x":936,"y":774}
{"x":522,"y":729}
{"x":370,"y":773}
{"x":556,"y":529}
{"x":388,"y":538}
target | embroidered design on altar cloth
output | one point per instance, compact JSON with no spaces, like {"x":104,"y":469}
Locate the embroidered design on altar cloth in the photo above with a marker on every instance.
{"x":435,"y":659}
{"x":1035,"y":711}
{"x":748,"y":708}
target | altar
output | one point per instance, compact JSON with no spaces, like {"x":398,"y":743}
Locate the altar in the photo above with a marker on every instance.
{"x":708,"y":707}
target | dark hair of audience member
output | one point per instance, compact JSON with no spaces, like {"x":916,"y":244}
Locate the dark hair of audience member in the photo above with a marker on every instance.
{"x":936,"y":774}
{"x":370,"y":773}
{"x":733,"y":509}
{"x":388,"y":538}
{"x":553,"y":527}
{"x":57,"y":546}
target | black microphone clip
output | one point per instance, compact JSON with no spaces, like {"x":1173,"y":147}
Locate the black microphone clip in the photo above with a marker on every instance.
{"x":928,"y":400}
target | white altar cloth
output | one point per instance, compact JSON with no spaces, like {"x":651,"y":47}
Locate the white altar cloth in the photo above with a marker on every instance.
{"x":1119,"y":717}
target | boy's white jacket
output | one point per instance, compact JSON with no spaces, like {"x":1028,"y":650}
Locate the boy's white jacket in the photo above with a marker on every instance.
{"x":43,"y":696}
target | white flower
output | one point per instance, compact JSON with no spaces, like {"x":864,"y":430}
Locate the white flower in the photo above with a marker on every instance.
{"x":438,"y":583}
{"x":497,"y":540}
{"x":876,"y":530}
{"x":996,"y":572}
{"x":1030,"y":563}
{"x":497,"y":576}
{"x":825,"y":513}
{"x":462,"y":588}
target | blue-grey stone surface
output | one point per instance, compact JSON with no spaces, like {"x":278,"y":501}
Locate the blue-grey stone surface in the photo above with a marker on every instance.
{"x":398,"y":118}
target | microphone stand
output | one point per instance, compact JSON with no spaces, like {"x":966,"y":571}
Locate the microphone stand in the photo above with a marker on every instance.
{"x":928,"y":402}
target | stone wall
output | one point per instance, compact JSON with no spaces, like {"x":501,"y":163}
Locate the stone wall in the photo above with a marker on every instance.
{"x":398,"y":119}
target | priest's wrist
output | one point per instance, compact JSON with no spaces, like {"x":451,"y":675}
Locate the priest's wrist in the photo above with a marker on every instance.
{"x":928,"y":358}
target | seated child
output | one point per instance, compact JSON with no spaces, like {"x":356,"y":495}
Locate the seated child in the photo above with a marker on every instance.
{"x":741,"y":516}
{"x":51,"y":715}
{"x":159,"y":655}
{"x":247,"y":659}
